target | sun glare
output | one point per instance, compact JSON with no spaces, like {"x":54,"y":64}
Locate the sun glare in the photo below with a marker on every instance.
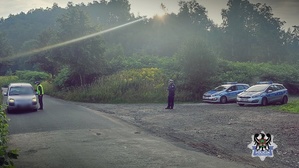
{"x":35,"y":51}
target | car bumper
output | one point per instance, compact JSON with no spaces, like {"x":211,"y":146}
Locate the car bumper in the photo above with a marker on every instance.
{"x":252,"y":101}
{"x":214,"y":99}
{"x":22,"y":107}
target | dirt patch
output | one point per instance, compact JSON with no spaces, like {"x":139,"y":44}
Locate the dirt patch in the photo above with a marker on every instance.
{"x":220,"y":130}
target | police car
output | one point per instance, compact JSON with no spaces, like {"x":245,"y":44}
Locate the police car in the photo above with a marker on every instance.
{"x":263,"y":93}
{"x":225,"y":93}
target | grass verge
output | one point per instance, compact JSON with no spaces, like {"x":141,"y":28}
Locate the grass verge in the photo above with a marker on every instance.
{"x":291,"y":107}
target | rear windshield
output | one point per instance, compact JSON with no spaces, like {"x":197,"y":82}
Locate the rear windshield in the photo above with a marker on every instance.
{"x":21,"y":90}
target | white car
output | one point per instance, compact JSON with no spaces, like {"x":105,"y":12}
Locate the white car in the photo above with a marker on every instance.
{"x":21,"y":96}
{"x":263,"y":93}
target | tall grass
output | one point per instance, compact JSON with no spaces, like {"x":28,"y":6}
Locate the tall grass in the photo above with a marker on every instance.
{"x":146,"y":85}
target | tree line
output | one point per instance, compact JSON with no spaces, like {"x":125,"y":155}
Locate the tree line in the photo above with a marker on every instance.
{"x":187,"y":45}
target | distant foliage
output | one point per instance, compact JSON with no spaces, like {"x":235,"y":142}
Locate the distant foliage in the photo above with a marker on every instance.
{"x":198,"y":66}
{"x":32,"y":76}
{"x":131,"y":86}
{"x":6,"y":80}
{"x":249,"y":72}
{"x":62,"y":77}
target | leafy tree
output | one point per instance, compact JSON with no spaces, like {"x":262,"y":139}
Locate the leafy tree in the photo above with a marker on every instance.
{"x":45,"y":60}
{"x":198,"y":65}
{"x":268,"y":33}
{"x":119,"y":11}
{"x":5,"y":51}
{"x":237,"y":21}
{"x":84,"y":58}
{"x":251,"y":28}
{"x":191,"y":12}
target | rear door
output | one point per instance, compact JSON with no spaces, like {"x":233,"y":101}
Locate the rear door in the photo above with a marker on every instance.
{"x":272,"y":94}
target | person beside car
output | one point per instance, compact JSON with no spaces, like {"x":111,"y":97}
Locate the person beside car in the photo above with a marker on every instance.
{"x":40,"y":94}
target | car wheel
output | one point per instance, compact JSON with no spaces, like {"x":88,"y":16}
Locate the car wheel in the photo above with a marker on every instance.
{"x":264,"y":102}
{"x":223,"y":99}
{"x":284,"y":100}
{"x":241,"y":104}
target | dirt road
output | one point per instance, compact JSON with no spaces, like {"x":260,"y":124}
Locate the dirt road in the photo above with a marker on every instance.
{"x":216,"y":129}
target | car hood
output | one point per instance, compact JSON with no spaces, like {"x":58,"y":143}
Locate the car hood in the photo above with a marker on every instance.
{"x":249,"y":94}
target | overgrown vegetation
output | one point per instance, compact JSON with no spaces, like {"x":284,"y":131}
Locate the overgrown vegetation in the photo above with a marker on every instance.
{"x":6,"y":80}
{"x":149,"y":84}
{"x":6,"y":155}
{"x":135,"y":85}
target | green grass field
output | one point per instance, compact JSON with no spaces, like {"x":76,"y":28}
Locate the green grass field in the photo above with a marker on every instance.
{"x":292,"y":106}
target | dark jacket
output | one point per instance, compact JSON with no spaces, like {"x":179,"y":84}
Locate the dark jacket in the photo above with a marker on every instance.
{"x":171,"y":89}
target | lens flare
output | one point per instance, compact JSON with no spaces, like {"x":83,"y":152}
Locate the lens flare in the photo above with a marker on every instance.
{"x":68,"y":42}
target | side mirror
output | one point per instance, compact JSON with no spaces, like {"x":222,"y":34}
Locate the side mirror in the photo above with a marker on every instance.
{"x":5,"y":94}
{"x":229,"y":90}
{"x":269,"y":91}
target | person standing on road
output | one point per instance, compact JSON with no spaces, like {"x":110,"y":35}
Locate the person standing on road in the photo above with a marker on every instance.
{"x":40,"y":94}
{"x":171,"y":93}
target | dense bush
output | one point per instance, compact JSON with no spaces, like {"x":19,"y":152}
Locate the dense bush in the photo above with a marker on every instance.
{"x":62,"y":77}
{"x":6,"y":80}
{"x":136,"y":85}
{"x":249,"y":72}
{"x":6,"y":155}
{"x":32,"y":76}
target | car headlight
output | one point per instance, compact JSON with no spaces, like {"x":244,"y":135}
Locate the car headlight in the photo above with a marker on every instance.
{"x":11,"y":100}
{"x":34,"y":99}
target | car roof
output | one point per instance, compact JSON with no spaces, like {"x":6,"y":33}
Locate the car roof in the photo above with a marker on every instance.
{"x":268,"y":84}
{"x":19,"y":84}
{"x":235,"y":84}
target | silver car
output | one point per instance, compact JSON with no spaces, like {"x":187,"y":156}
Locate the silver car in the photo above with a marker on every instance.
{"x":225,"y":93}
{"x":21,"y":96}
{"x":263,"y":93}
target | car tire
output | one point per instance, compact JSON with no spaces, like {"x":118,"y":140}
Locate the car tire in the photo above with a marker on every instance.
{"x":264,"y":102}
{"x":223,"y":100}
{"x":241,"y":104}
{"x":284,"y":100}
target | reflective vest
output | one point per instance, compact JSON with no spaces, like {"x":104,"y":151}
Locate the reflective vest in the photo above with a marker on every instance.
{"x":40,"y":89}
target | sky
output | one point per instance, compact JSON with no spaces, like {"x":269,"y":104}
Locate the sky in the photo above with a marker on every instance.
{"x":286,"y":10}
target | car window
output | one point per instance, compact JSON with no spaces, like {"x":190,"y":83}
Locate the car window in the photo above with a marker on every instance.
{"x":220,"y":88}
{"x":232,"y":88}
{"x":272,"y":87}
{"x":241,"y":87}
{"x":280,"y":87}
{"x":21,"y":91}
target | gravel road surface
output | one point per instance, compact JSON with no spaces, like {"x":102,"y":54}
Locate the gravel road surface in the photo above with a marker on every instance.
{"x":222,"y":130}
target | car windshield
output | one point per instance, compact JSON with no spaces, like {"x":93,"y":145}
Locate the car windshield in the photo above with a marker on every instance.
{"x":257,"y":88}
{"x":21,"y":91}
{"x":220,"y":88}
